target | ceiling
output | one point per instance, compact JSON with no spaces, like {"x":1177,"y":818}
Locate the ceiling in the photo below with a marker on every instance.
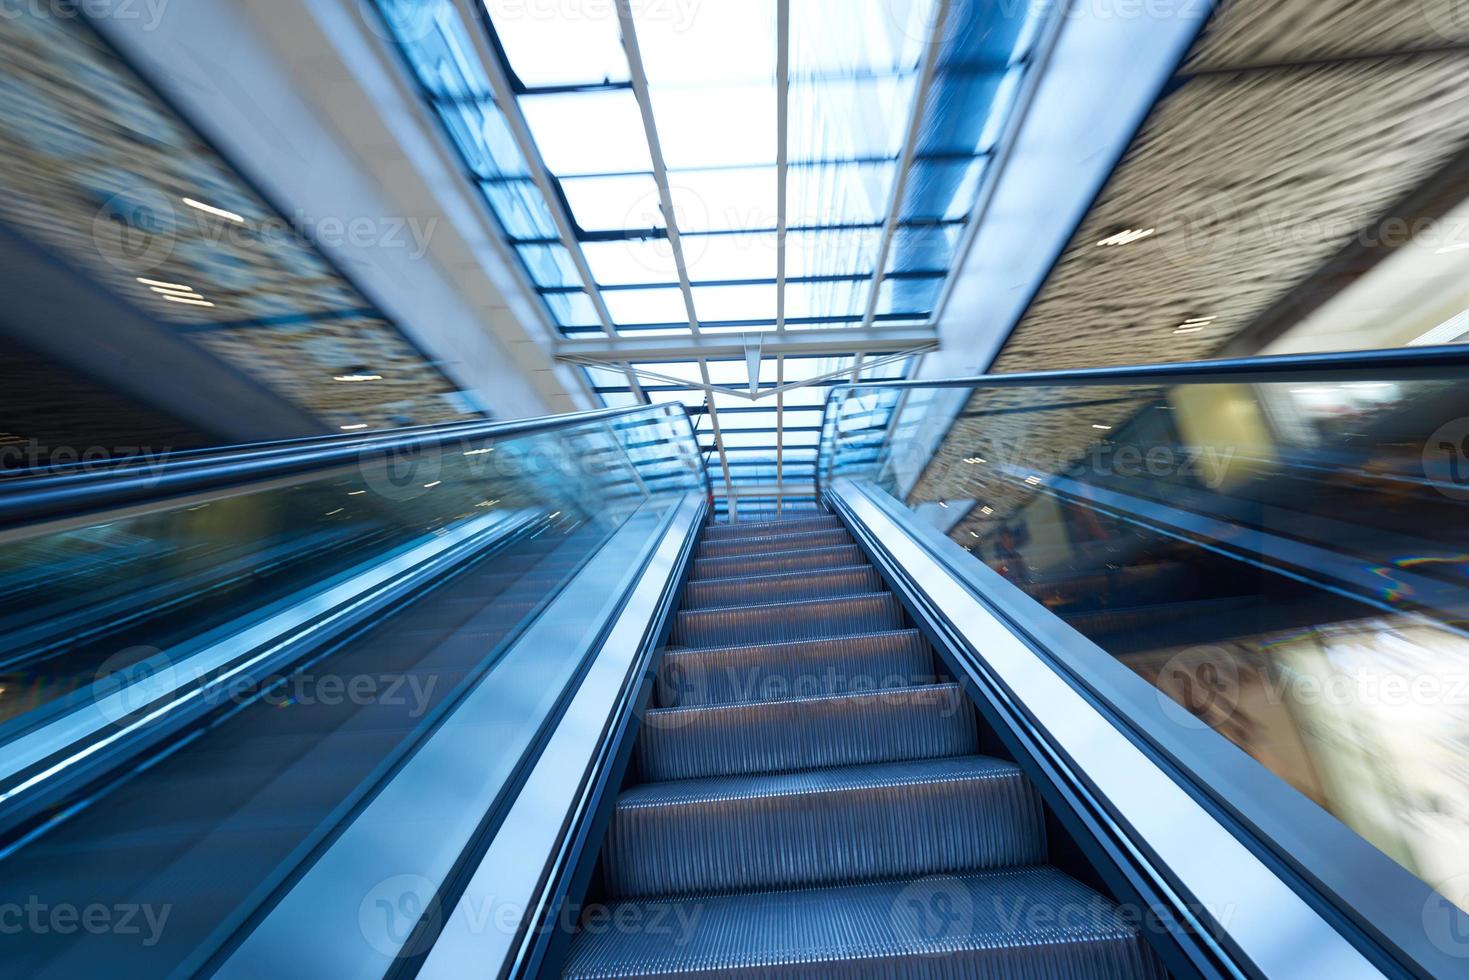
{"x":730,"y":205}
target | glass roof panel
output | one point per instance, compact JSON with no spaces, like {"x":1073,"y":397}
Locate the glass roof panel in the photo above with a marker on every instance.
{"x":549,"y":266}
{"x":664,"y":304}
{"x":714,"y":258}
{"x":614,"y":203}
{"x":730,"y":126}
{"x":839,"y":193}
{"x":738,"y":199}
{"x":849,"y":118}
{"x":521,"y":209}
{"x":832,"y":253}
{"x":703,"y":44}
{"x":573,"y":310}
{"x":546,"y":49}
{"x":588,"y":132}
{"x":636,"y":262}
{"x":719,"y":303}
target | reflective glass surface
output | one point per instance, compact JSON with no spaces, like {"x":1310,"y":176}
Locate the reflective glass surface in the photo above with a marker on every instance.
{"x":1285,"y":560}
{"x":156,"y":622}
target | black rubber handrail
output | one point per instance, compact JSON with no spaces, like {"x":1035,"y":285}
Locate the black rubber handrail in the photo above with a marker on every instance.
{"x":81,"y":488}
{"x":1404,"y":363}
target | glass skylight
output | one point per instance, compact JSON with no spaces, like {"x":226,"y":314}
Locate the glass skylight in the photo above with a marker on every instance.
{"x":710,"y":76}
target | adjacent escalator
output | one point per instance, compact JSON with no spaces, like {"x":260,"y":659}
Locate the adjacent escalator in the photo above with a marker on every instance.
{"x":808,"y":796}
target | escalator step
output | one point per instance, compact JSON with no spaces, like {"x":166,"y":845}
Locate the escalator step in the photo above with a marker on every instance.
{"x":760,"y":544}
{"x":822,"y":827}
{"x":810,"y":584}
{"x":777,"y":621}
{"x":737,"y":566}
{"x":804,"y":668}
{"x":1022,"y":924}
{"x":921,"y":722}
{"x":719,"y":532}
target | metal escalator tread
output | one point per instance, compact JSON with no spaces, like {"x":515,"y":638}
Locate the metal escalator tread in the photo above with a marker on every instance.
{"x":914,"y":722}
{"x":796,"y":668}
{"x":994,"y":925}
{"x":792,"y":541}
{"x":824,"y":583}
{"x":771,"y":622}
{"x":737,"y":566}
{"x":813,"y":804}
{"x":832,"y":825}
{"x":821,"y":522}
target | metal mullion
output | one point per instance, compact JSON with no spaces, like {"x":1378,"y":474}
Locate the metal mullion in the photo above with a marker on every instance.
{"x":905,"y":161}
{"x":665,"y":196}
{"x":782,"y":155}
{"x":780,"y":398}
{"x":504,"y":92}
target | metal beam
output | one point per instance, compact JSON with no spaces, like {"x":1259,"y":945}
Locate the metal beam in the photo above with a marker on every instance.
{"x":927,"y":69}
{"x":782,"y":151}
{"x":793,"y":343}
{"x":639,"y":77}
{"x":476,"y":13}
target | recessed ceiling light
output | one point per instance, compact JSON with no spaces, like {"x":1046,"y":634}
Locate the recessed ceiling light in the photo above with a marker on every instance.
{"x":479,"y":452}
{"x":1104,"y":428}
{"x":355,"y":493}
{"x":354,"y":427}
{"x":1034,"y":481}
{"x":358,"y":377}
{"x":217,"y":212}
{"x":944,"y":504}
{"x":430,"y":486}
{"x":986,"y":510}
{"x":975,"y":460}
{"x":974,"y":534}
{"x":334,"y":513}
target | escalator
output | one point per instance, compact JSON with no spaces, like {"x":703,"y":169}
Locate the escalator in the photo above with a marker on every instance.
{"x":811,"y":800}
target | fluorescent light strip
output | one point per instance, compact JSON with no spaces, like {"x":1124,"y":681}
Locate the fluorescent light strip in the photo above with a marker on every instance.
{"x":354,"y":428}
{"x":217,"y":212}
{"x":165,"y":285}
{"x":189,"y":300}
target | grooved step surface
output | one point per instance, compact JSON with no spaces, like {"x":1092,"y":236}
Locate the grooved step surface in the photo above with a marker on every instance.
{"x":737,"y":566}
{"x":802,"y":668}
{"x":823,"y":522}
{"x":794,"y":541}
{"x":785,"y":587}
{"x":826,"y":826}
{"x":774,"y":622}
{"x":775,"y":736}
{"x":1022,"y":924}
